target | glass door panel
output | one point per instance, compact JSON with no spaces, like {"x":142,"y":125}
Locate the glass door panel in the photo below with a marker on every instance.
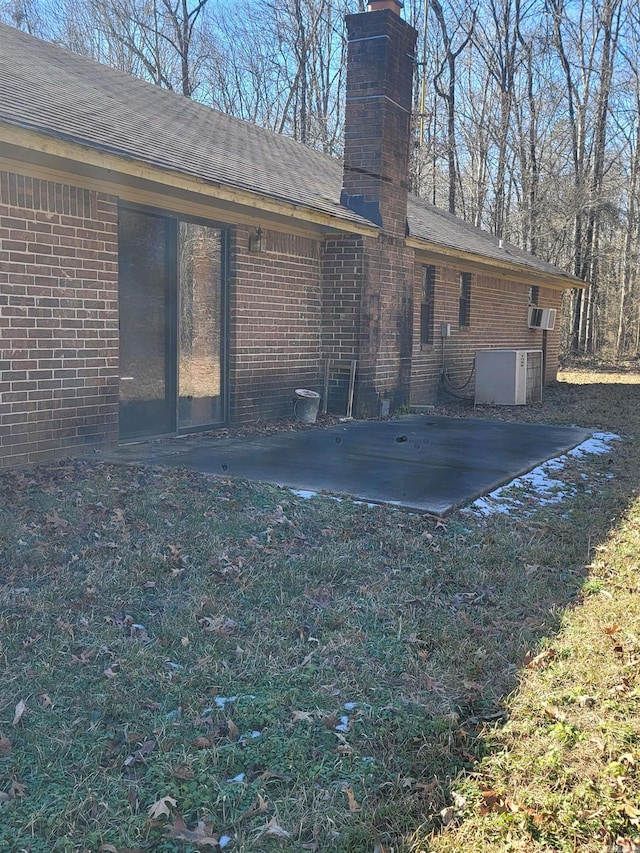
{"x":147,"y":388}
{"x":200,"y":377}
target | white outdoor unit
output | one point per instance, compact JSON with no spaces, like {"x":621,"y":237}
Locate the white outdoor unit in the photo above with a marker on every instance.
{"x":508,"y":377}
{"x":542,"y":318}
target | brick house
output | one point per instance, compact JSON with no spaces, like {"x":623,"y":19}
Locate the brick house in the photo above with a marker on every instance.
{"x":165,"y":268}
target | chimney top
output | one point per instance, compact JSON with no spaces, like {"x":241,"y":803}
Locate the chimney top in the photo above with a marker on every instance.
{"x":393,"y":5}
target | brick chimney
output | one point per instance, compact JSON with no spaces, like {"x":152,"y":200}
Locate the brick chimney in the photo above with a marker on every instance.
{"x":378,"y":115}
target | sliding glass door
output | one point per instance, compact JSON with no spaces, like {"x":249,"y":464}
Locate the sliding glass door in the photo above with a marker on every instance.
{"x":147,"y":389}
{"x":172,"y":324}
{"x":200,"y":367}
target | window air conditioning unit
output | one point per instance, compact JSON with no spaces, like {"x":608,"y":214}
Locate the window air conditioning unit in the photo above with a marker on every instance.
{"x":542,"y":318}
{"x":508,"y":377}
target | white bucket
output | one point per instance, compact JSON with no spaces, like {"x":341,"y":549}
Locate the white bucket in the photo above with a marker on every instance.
{"x":306,"y":405}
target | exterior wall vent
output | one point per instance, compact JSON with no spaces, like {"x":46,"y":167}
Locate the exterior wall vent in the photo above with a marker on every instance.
{"x":508,"y":377}
{"x":542,"y":318}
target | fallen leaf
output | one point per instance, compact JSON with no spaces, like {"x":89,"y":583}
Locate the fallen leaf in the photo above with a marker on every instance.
{"x":447,"y":815}
{"x":202,"y":836}
{"x":162,"y":807}
{"x":183,"y":772}
{"x":20,"y":709}
{"x":234,"y":731}
{"x":258,"y":807}
{"x":330,"y":721}
{"x":5,"y":745}
{"x":274,"y":830}
{"x":84,"y":657}
{"x":302,"y":717}
{"x":17,"y":789}
{"x":553,"y":713}
{"x":354,"y":805}
{"x":31,"y":641}
{"x":539,"y":660}
{"x":67,"y":627}
{"x":630,"y":811}
{"x":427,"y":787}
{"x":492,"y":802}
{"x":628,"y":845}
{"x":140,"y":755}
{"x":202,"y":743}
{"x":133,"y":799}
{"x":611,"y":629}
{"x":139,"y":632}
{"x":110,"y":672}
{"x":223,"y":626}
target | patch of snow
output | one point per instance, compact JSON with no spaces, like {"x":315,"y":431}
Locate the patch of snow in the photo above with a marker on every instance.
{"x":221,"y":701}
{"x":598,"y":443}
{"x":304,"y":493}
{"x":343,"y":725}
{"x":538,"y":486}
{"x":239,"y":778}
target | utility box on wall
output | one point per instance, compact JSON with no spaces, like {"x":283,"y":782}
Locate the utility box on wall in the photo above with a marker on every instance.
{"x":508,"y":377}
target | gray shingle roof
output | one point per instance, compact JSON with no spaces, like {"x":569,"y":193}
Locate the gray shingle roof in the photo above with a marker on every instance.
{"x":431,"y":223}
{"x":58,"y":93}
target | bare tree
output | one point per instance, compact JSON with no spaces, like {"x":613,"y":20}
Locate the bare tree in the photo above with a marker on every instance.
{"x":462,"y":26}
{"x":496,"y":37}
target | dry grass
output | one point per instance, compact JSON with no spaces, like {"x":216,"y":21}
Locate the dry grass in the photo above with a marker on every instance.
{"x":134,"y":601}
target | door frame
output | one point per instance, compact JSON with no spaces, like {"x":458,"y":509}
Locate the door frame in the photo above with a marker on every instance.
{"x":172,"y":315}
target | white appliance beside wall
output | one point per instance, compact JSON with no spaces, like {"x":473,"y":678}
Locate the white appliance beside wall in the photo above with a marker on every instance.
{"x":508,"y":377}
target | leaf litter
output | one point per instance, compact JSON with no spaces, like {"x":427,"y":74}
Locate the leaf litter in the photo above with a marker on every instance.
{"x":419,"y":629}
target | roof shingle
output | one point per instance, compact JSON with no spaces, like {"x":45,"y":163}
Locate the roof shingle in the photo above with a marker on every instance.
{"x":50,"y":90}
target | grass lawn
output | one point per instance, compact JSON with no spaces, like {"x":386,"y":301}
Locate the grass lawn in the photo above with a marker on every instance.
{"x":190,"y":663}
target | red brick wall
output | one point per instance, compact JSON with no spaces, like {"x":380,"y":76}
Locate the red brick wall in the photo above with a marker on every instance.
{"x":498,"y":320}
{"x":275,"y":319}
{"x":342,"y":270}
{"x":386,"y":330}
{"x":58,"y":320}
{"x":367,"y":302}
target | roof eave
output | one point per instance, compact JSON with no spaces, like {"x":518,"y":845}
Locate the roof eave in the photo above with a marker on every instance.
{"x":110,"y":164}
{"x":498,"y":268}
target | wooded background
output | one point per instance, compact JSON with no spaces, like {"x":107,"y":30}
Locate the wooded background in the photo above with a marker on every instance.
{"x":527,"y":112}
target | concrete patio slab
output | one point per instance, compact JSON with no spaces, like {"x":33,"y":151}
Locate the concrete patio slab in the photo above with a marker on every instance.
{"x":423,"y":463}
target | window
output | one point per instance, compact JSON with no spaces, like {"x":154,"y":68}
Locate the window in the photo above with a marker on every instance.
{"x":427,"y":305}
{"x":534,"y":294}
{"x":464,"y":313}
